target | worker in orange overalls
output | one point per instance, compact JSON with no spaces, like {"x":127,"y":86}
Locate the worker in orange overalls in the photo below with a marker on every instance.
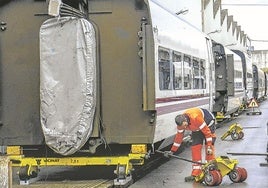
{"x":202,"y":124}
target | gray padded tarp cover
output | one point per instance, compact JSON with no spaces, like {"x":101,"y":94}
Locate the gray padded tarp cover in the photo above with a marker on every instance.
{"x":67,"y":82}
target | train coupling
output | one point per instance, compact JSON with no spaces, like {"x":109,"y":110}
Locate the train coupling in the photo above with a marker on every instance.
{"x":235,"y":131}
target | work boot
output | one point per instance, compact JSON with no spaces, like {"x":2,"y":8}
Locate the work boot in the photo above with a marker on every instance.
{"x":189,"y":179}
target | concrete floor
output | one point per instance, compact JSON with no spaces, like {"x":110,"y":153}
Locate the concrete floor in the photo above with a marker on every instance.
{"x":172,"y":173}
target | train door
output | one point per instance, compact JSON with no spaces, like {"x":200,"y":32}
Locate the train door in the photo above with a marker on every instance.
{"x":230,"y":74}
{"x":3,"y":27}
{"x":265,"y":84}
{"x":211,"y":76}
{"x":255,"y":81}
{"x":247,"y":75}
{"x":221,"y":82}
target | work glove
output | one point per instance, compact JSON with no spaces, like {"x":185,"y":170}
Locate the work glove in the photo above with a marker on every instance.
{"x":209,"y":150}
{"x":167,"y":154}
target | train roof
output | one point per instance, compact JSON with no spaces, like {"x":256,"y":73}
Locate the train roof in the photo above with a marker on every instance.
{"x":173,"y":31}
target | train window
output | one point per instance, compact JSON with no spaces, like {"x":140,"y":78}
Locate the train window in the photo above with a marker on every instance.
{"x":196,"y":73}
{"x":164,"y":69}
{"x":238,"y":79}
{"x":260,"y":82}
{"x":202,"y":74}
{"x":199,"y":76}
{"x":177,"y":70}
{"x":238,"y":85}
{"x":238,"y":74}
{"x":187,"y":72}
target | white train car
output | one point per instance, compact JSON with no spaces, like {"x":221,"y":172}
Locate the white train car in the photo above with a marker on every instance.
{"x":258,"y":83}
{"x":247,"y":74}
{"x":184,"y":69}
{"x":236,"y":100}
{"x":230,"y":95}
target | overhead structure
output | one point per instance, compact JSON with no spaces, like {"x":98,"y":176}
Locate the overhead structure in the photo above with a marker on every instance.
{"x":222,"y":27}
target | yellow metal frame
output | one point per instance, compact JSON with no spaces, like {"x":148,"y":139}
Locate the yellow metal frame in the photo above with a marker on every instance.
{"x":136,"y":157}
{"x":241,"y":108}
{"x":75,"y":161}
{"x":14,"y":150}
{"x":219,"y":116}
{"x":223,"y":163}
{"x":234,"y":128}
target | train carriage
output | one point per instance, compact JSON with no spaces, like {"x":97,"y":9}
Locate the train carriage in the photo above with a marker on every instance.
{"x":258,"y":83}
{"x":230,"y":96}
{"x":247,"y":74}
{"x":184,"y":67}
{"x":164,"y":74}
{"x":109,"y":77}
{"x":237,"y":96}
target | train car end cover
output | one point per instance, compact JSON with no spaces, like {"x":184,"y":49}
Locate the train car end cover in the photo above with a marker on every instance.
{"x":67,"y":82}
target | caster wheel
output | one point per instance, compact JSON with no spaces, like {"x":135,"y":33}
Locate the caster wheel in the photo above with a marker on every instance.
{"x":220,"y":177}
{"x":235,"y":136}
{"x":213,"y":178}
{"x":240,"y":135}
{"x":235,"y":175}
{"x":243,"y":173}
{"x":25,"y":172}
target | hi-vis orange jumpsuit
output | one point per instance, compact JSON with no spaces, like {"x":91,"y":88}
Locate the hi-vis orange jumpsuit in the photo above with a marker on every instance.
{"x":202,"y":125}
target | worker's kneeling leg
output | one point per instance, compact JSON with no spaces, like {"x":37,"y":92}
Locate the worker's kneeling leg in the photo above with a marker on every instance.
{"x":196,"y":157}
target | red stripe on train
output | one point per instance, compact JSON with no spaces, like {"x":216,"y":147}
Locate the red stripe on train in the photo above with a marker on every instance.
{"x":181,"y":106}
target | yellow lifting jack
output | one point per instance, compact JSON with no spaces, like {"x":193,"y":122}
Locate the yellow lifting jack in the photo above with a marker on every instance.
{"x":214,"y":171}
{"x":30,"y":166}
{"x":236,"y":132}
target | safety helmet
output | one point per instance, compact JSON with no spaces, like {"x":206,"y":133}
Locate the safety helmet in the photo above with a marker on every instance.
{"x":180,"y":118}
